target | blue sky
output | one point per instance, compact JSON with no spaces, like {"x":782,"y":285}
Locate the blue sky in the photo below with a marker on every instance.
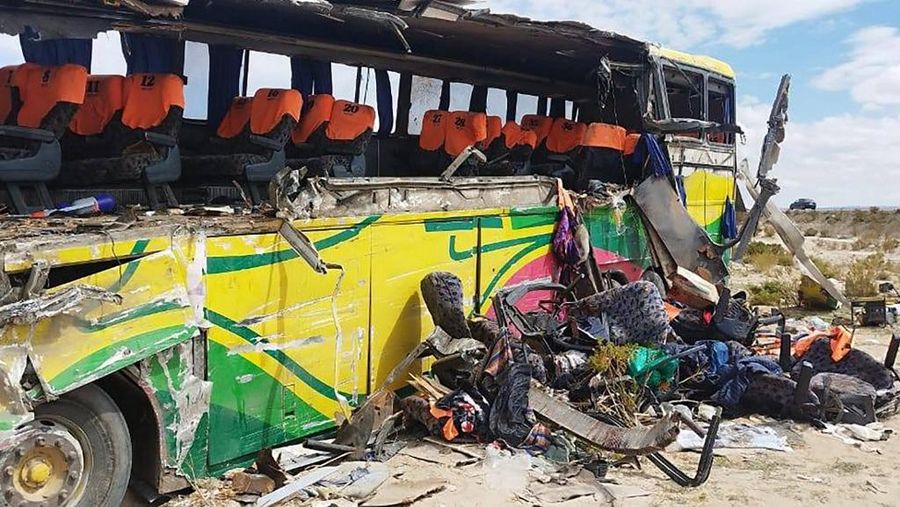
{"x":843,"y":142}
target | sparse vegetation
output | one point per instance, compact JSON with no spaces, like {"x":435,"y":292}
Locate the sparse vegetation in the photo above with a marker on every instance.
{"x":774,"y":293}
{"x":827,"y":268}
{"x":863,"y":275}
{"x":765,"y":256}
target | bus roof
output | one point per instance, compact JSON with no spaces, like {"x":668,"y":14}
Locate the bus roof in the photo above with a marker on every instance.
{"x":436,"y":38}
{"x":703,"y":62}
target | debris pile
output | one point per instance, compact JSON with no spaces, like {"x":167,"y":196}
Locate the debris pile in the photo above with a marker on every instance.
{"x":559,"y":384}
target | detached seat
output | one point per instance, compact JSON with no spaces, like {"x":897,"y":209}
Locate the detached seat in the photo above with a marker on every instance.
{"x":147,"y":148}
{"x":42,"y":102}
{"x":333,"y":136}
{"x":250,"y":141}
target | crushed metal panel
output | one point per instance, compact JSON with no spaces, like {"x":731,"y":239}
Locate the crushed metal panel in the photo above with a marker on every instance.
{"x":336,"y":197}
{"x":133,"y":311}
{"x":629,"y":441}
{"x":793,"y":239}
{"x":689,"y":245}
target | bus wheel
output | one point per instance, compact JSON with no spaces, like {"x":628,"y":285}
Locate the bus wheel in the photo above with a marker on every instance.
{"x":78,"y":455}
{"x":654,"y":278}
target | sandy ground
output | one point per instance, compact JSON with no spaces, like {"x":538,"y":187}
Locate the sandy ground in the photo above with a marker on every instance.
{"x":819,"y":470}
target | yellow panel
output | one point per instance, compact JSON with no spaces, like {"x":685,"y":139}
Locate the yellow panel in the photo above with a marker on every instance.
{"x":702,"y":62}
{"x":407,"y":253}
{"x":277,"y":306}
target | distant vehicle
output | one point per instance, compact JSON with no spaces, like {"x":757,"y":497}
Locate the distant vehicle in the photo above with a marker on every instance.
{"x":803,"y":204}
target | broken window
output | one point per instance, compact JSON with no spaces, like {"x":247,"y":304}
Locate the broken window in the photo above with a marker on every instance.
{"x":721,"y":109}
{"x":685,"y":92}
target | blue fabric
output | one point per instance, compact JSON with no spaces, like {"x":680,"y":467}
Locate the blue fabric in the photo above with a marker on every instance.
{"x":54,"y":52}
{"x":444,"y":104}
{"x":682,"y":192}
{"x":385,"y":103}
{"x":734,"y":379}
{"x":557,"y":108}
{"x":311,"y":77}
{"x":648,"y":148}
{"x":146,"y":53}
{"x":729,"y":221}
{"x":478,"y":99}
{"x":224,"y":80}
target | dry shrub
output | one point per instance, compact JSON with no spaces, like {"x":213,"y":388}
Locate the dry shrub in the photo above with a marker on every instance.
{"x":765,"y":256}
{"x":827,"y":268}
{"x":774,"y":293}
{"x":863,"y":275}
{"x":890,"y":244}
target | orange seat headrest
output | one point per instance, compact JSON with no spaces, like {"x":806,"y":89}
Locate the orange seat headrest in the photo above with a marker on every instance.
{"x":494,"y":129}
{"x":271,"y":105}
{"x":538,"y":124}
{"x":6,"y":95}
{"x":317,"y":112}
{"x":41,"y":88}
{"x":604,"y":135}
{"x":148,"y":98}
{"x":349,"y":120}
{"x":514,"y":135}
{"x":236,"y":118}
{"x":464,"y":129}
{"x":103,"y":98}
{"x":565,"y":136}
{"x":433,"y":131}
{"x":631,"y":142}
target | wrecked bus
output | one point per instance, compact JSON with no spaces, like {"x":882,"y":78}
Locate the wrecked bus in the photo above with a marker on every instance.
{"x":156,"y":346}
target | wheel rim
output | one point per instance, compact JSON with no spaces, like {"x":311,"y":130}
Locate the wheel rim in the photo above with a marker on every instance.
{"x":48,"y":466}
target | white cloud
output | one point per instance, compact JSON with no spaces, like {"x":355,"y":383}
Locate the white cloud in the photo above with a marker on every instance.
{"x":838,"y":160}
{"x":872,"y":71}
{"x":682,"y":23}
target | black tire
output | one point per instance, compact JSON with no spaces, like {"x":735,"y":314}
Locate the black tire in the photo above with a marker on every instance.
{"x":654,"y":278}
{"x":97,"y":423}
{"x":443,"y":296}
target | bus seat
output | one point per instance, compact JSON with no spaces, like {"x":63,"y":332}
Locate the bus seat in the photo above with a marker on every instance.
{"x":148,"y":150}
{"x":250,"y":140}
{"x":347,"y":137}
{"x":236,"y":118}
{"x":274,"y":116}
{"x":464,"y":129}
{"x":538,"y":124}
{"x":494,"y":131}
{"x":565,"y":137}
{"x":558,"y":155}
{"x":8,"y":96}
{"x":631,"y":142}
{"x":310,"y":132}
{"x":430,"y":159}
{"x":511,"y":152}
{"x":350,"y":128}
{"x":96,"y":128}
{"x":602,"y":156}
{"x":31,"y":153}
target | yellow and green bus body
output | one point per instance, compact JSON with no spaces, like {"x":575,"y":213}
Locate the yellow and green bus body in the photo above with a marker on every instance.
{"x":240,"y":345}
